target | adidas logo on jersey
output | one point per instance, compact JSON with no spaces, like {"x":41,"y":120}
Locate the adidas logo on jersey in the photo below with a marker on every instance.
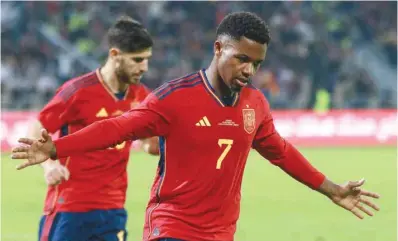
{"x":102,"y":113}
{"x":203,"y":122}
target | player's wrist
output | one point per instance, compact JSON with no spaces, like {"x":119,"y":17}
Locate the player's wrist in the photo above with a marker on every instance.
{"x":329,"y":188}
{"x":53,"y":153}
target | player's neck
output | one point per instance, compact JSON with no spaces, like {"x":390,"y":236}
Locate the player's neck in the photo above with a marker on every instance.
{"x":110,"y":79}
{"x":217,"y":83}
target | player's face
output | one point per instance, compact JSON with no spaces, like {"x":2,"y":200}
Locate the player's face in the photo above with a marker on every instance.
{"x":129,"y":67}
{"x":237,"y":61}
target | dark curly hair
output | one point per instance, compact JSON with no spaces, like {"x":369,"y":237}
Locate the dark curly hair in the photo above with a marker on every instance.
{"x":244,"y":24}
{"x":129,"y":35}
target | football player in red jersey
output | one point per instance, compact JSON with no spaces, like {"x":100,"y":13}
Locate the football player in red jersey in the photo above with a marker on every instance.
{"x":90,"y":204}
{"x":208,"y":122}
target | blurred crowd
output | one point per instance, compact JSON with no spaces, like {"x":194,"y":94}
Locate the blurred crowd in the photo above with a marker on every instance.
{"x":322,"y":54}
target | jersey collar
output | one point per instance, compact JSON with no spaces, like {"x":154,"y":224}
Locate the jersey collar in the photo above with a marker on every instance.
{"x":113,"y":95}
{"x":212,"y":92}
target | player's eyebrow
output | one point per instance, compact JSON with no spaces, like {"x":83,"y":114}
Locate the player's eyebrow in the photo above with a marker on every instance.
{"x":248,"y":59}
{"x":140,"y":58}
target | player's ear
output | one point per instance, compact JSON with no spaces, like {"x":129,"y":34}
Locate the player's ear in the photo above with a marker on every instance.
{"x":113,"y":53}
{"x":217,"y":48}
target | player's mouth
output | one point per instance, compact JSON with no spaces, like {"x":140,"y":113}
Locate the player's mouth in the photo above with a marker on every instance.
{"x":242,"y":82}
{"x":136,"y":77}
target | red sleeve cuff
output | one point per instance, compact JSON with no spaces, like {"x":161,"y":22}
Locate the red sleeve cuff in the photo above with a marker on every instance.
{"x":60,"y":145}
{"x":316,"y":180}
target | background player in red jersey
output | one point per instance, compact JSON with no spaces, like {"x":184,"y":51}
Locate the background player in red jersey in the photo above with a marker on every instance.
{"x":90,"y":205}
{"x":207,"y":122}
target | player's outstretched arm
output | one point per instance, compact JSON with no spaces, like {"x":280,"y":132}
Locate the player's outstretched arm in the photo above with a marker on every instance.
{"x":135,"y":124}
{"x":281,"y":153}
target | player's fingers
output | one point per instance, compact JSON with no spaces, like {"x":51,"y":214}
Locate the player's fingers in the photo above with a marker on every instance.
{"x":369,"y":203}
{"x":23,"y":165}
{"x":53,"y":182}
{"x":49,"y":180}
{"x":356,"y":183}
{"x":363,"y":209}
{"x":56,"y":180}
{"x":59,"y":174}
{"x":27,"y":141}
{"x":44,"y":134}
{"x":65,"y":173}
{"x":370,"y":194}
{"x":357,"y":213}
{"x":20,"y":155}
{"x":54,"y":176}
{"x":20,"y":149}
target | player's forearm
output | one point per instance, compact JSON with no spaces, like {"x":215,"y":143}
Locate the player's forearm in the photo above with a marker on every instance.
{"x":132,"y":125}
{"x":297,"y":166}
{"x":284,"y":155}
{"x":97,"y":136}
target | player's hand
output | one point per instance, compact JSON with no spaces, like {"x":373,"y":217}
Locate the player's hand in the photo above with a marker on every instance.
{"x":356,"y":200}
{"x":151,"y":145}
{"x":35,"y":151}
{"x":55,"y":172}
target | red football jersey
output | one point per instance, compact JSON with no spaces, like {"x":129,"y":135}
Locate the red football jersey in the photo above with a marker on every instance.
{"x":204,"y":145}
{"x":98,"y":179}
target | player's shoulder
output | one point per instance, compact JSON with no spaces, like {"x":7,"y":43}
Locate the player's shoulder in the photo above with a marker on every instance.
{"x":179,"y":86}
{"x":252,"y":90}
{"x":75,"y":85}
{"x":256,"y":95}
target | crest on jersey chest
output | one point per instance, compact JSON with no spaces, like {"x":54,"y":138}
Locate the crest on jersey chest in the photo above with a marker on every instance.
{"x":249,"y":120}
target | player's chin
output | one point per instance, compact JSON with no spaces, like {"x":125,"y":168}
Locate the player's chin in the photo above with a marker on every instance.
{"x":134,"y":81}
{"x":236,"y":88}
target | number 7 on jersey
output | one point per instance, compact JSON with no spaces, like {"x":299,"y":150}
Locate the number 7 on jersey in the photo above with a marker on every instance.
{"x":222,"y":142}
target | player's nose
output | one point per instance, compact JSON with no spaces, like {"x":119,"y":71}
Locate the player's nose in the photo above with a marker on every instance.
{"x":144,"y":66}
{"x":248,"y":70}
